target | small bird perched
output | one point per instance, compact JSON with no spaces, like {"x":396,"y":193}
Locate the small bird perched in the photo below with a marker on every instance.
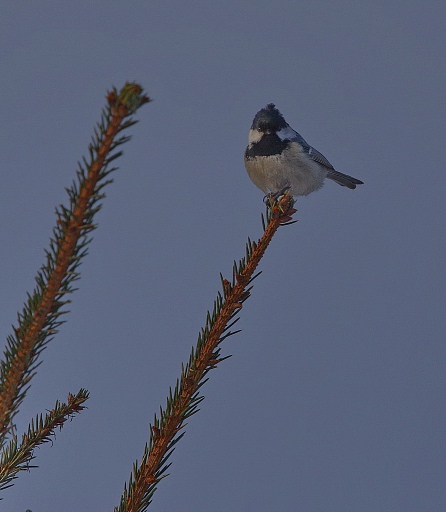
{"x":278,"y":158}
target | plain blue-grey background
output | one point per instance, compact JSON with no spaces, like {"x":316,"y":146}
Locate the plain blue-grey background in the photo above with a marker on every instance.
{"x":334,"y":397}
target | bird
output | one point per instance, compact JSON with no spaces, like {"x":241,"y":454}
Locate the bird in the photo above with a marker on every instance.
{"x":279,"y":160}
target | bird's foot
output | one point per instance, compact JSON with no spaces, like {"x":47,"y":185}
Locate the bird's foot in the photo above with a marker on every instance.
{"x":272,"y":197}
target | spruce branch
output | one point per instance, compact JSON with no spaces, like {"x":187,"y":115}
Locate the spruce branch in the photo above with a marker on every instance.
{"x":17,"y":457}
{"x":183,"y":401}
{"x":44,"y":309}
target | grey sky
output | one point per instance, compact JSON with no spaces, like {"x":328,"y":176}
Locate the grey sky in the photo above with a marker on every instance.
{"x":334,"y":397}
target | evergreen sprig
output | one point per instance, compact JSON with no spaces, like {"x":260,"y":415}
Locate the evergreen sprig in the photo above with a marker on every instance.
{"x":43,"y":311}
{"x":183,"y":401}
{"x":17,"y":457}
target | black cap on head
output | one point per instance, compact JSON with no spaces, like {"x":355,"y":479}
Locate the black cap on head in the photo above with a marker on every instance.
{"x":269,"y":119}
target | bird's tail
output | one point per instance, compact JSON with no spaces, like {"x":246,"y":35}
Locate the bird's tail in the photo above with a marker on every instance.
{"x":343,"y":179}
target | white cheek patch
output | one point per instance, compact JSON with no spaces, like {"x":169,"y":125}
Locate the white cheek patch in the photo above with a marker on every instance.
{"x":255,"y":136}
{"x":286,"y":133}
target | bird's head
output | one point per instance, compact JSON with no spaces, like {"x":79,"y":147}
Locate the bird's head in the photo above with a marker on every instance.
{"x":268,"y":120}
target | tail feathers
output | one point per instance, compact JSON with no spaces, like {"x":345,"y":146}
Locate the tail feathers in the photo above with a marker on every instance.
{"x":343,"y":179}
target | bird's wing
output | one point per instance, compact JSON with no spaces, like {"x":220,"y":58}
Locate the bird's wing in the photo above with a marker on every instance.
{"x":319,"y":158}
{"x":342,"y":179}
{"x":289,"y":134}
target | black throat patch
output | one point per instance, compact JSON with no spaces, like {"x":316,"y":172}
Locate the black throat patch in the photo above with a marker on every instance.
{"x":269,"y":145}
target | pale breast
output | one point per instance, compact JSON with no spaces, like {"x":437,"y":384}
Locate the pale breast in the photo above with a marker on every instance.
{"x":289,"y":169}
